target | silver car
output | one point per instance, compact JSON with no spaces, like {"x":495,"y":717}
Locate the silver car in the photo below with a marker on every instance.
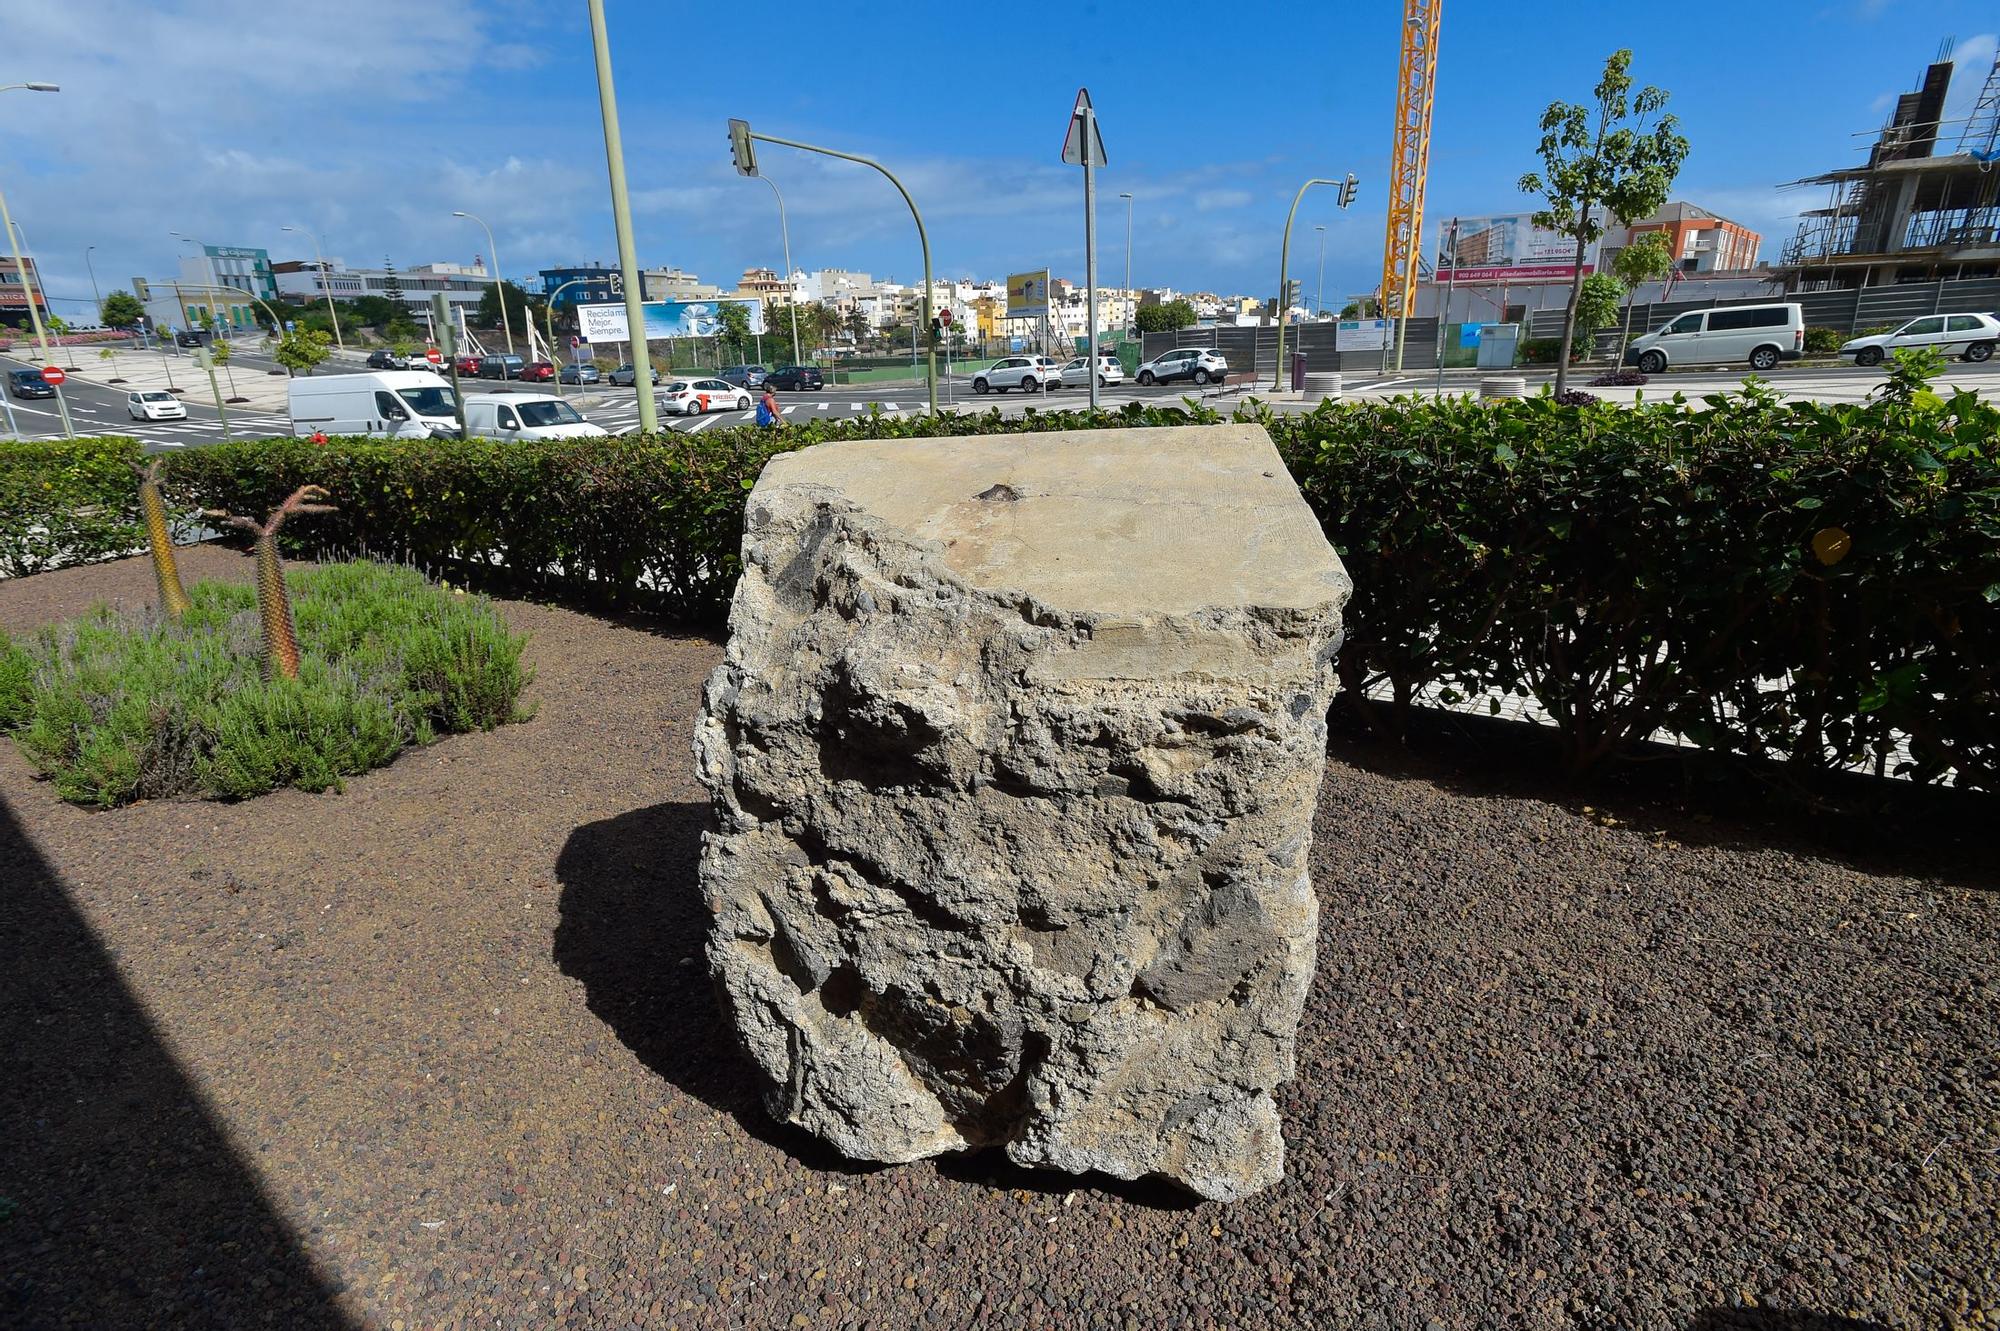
{"x":1969,"y":336}
{"x":1109,"y":371}
{"x":1201,"y":364}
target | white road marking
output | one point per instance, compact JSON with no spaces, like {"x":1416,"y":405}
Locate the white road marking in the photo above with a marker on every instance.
{"x":700,"y":424}
{"x":789,"y":410}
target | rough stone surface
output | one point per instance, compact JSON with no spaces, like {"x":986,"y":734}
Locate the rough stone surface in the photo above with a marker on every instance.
{"x":1015,"y":751}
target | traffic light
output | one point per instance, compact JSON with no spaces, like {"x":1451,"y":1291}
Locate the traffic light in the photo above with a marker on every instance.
{"x":742,"y":150}
{"x":1347,"y":188}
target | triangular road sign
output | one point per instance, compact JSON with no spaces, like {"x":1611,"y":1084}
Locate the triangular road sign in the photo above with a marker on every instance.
{"x":1076,"y":152}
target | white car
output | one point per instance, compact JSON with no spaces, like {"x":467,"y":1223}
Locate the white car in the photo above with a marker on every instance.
{"x":155,"y":406}
{"x":1027,"y":373}
{"x":693,"y":397}
{"x":1967,"y":336}
{"x":1109,"y":371}
{"x":1201,"y":364}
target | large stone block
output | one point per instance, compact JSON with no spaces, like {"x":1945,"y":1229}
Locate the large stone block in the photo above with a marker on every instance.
{"x":1014,"y":754}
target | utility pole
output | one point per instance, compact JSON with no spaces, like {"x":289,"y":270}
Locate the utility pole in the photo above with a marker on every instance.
{"x":621,"y":217}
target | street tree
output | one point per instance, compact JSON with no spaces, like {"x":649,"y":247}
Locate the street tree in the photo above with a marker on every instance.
{"x":1597,"y":305}
{"x":1618,"y":155}
{"x":121,"y":309}
{"x":733,"y":325}
{"x":392,"y":286}
{"x":1166,"y":317}
{"x":302,"y":349}
{"x":520,"y":306}
{"x":857,"y":325}
{"x":1645,"y":259}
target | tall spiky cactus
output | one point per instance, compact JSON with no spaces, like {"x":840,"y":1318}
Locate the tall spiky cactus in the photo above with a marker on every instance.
{"x":281,"y":640}
{"x":173,"y":597}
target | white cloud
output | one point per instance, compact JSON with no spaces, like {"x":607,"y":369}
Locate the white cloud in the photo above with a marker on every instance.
{"x":1213,"y":200}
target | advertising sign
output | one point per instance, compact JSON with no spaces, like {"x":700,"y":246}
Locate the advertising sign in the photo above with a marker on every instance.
{"x":1028,"y":295}
{"x":1509,"y":247}
{"x":1361,"y":335}
{"x":664,"y":319}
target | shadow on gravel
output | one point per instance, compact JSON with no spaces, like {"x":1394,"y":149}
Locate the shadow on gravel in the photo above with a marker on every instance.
{"x":631,"y":930}
{"x":122,"y":1201}
{"x":1775,"y":1319}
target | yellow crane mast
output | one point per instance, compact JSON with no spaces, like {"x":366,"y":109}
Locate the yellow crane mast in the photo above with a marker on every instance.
{"x":1410,"y":163}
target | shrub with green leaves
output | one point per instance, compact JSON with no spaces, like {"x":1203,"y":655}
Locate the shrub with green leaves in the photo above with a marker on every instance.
{"x":66,"y":501}
{"x":116,"y":706}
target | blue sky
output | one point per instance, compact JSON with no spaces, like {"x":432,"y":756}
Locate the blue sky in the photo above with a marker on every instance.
{"x":230,"y":118}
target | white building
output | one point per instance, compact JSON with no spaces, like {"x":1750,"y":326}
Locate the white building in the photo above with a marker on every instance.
{"x":304,"y":280}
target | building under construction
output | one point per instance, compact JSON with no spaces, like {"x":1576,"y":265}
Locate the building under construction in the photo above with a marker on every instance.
{"x":1925,"y":207}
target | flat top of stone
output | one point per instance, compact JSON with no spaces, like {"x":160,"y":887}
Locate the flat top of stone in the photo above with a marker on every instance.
{"x":1148,"y":521}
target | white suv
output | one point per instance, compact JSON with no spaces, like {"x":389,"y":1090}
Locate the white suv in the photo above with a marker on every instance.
{"x":1970,"y":336}
{"x":1200,"y":364}
{"x":1027,"y":373}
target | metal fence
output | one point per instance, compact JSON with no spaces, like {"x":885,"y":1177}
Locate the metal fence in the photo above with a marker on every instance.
{"x":1849,"y":311}
{"x":1255,"y":350}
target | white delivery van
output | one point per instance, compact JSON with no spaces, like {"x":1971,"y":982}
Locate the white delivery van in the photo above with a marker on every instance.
{"x":1755,"y":335}
{"x":398,"y":404}
{"x":524,"y":416}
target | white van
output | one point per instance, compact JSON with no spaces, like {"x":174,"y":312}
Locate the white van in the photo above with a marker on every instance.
{"x":524,"y":416}
{"x":399,"y":404}
{"x":1755,"y":335}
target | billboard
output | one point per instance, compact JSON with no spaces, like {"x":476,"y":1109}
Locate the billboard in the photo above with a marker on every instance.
{"x":1361,"y":335}
{"x":664,"y":319}
{"x":1509,"y":247}
{"x":1028,"y":295}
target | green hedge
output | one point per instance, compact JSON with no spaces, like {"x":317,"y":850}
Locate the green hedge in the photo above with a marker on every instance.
{"x":66,"y":502}
{"x":1804,"y":581}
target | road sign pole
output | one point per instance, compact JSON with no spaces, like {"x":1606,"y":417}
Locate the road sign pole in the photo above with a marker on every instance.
{"x":1090,"y":247}
{"x":206,"y":359}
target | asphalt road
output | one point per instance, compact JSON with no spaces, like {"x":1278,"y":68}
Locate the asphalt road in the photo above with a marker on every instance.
{"x":98,"y":409}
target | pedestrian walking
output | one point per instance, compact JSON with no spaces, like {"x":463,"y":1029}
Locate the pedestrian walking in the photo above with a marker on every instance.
{"x":767,"y":408}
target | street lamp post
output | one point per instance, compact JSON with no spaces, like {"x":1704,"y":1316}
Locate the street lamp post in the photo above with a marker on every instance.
{"x":1284,"y":272}
{"x":791,"y":296}
{"x":92,"y":270}
{"x":499,"y":286}
{"x":549,"y":322}
{"x":1319,"y":292}
{"x":621,"y":222}
{"x":21,"y":267}
{"x":1131,"y":304}
{"x":741,"y":140}
{"x":326,"y":287}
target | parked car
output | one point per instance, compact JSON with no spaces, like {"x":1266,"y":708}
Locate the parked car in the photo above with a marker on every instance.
{"x":791,"y":378}
{"x":467,"y":365}
{"x":1755,"y":335}
{"x":1198,"y":364}
{"x":381,"y":359}
{"x":626,"y":377}
{"x":191,"y":337}
{"x":501,"y":367}
{"x":28,"y":383}
{"x":744,"y":376}
{"x":1027,"y":373}
{"x":525,"y":416}
{"x":537,"y":372}
{"x":693,"y":397}
{"x":154,"y":406}
{"x":1109,"y":371}
{"x":1967,"y":336}
{"x":582,"y":372}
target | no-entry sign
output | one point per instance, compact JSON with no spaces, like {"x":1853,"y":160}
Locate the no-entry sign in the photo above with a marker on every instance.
{"x":434,"y":356}
{"x":54,"y":375}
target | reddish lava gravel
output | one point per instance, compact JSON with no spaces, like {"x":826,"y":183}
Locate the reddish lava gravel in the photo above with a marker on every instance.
{"x":440,"y":1052}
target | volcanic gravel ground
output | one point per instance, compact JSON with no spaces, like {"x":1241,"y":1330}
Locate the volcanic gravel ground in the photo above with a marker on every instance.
{"x":440,"y":1052}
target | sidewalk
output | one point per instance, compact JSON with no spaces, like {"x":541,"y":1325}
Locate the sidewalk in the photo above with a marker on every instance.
{"x":148,"y":370}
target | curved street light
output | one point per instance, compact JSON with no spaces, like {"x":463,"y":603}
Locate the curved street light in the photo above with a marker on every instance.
{"x":1284,"y":270}
{"x":791,"y":296}
{"x":499,"y":287}
{"x":325,"y":287}
{"x":21,"y":268}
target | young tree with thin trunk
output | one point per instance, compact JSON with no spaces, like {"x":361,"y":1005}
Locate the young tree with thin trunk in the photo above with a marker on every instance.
{"x":1600,"y":159}
{"x":1645,"y":259}
{"x":174,"y":600}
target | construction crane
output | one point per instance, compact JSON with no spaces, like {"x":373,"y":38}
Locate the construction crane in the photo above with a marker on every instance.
{"x":1410,"y":162}
{"x":1981,"y":135}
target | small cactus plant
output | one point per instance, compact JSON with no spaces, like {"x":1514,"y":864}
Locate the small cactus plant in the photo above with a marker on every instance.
{"x":173,"y":597}
{"x":281,"y":641}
